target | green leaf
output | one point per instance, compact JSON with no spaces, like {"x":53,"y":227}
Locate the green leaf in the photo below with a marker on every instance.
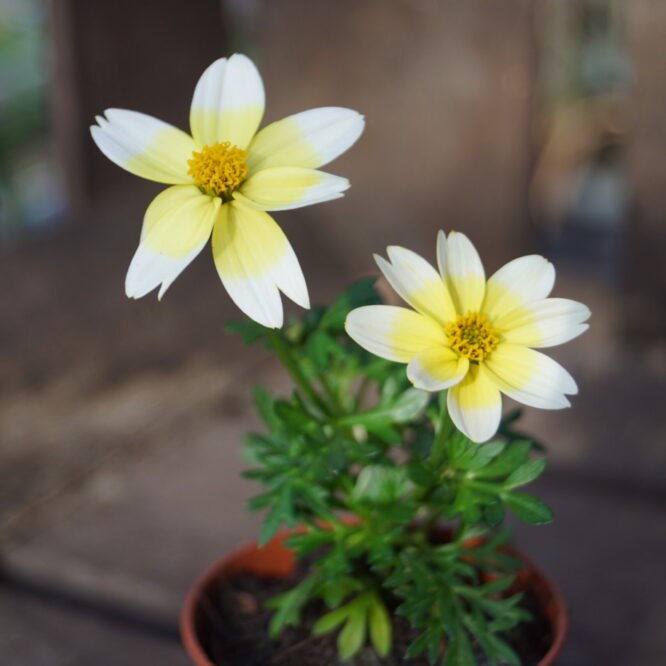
{"x":294,"y":416}
{"x":379,"y":625}
{"x":281,"y":512}
{"x":494,"y":513}
{"x":423,"y":642}
{"x":288,"y":605}
{"x":459,"y":651}
{"x":408,"y":405}
{"x":352,"y":636}
{"x":514,"y":455}
{"x":526,"y":473}
{"x":319,"y":347}
{"x":358,"y":294}
{"x":466,"y":454}
{"x":264,"y":404}
{"x":505,"y":652}
{"x":249,"y":330}
{"x":330,"y":621}
{"x":529,"y":508}
{"x":420,"y":474}
{"x":381,"y":484}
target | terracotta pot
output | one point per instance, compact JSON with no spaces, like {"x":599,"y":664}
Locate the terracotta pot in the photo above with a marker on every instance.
{"x":276,"y":561}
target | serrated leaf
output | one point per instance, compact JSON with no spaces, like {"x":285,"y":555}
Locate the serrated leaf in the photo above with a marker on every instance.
{"x":528,"y":508}
{"x":526,"y":473}
{"x":281,"y":512}
{"x":421,"y":644}
{"x":503,"y":651}
{"x":288,"y":605}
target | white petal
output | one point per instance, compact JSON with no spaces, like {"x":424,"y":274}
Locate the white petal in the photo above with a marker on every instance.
{"x":144,"y":146}
{"x":521,"y":281}
{"x":463,"y":271}
{"x":418,"y":283}
{"x":228,"y":102}
{"x":530,"y":377}
{"x":254,"y":259}
{"x":284,"y":188}
{"x":397,"y":334}
{"x":149,"y":269}
{"x":436,"y":369}
{"x":309,"y":139}
{"x":475,"y":405}
{"x":544,"y":323}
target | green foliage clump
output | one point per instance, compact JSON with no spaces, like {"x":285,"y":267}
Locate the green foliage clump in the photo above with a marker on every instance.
{"x":369,"y":468}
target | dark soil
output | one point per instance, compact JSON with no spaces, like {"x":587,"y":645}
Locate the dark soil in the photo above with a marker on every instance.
{"x":234,"y":632}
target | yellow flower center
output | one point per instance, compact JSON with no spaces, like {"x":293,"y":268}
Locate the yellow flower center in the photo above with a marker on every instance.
{"x":472,"y":336}
{"x":218,"y":169}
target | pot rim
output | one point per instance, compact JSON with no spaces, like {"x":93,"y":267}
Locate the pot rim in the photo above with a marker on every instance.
{"x":556,"y":609}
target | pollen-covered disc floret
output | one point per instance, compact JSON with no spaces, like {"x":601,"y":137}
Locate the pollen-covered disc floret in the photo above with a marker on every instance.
{"x":218,"y":169}
{"x":472,"y":336}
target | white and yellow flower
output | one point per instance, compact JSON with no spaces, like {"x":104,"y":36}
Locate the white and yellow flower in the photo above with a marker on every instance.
{"x":472,"y":336}
{"x":224,"y":177}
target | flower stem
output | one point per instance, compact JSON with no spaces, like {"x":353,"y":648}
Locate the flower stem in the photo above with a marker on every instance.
{"x":442,"y":433}
{"x":285,"y":354}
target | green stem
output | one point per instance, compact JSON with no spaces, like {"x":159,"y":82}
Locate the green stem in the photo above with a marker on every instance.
{"x":360,"y":395}
{"x":291,"y":364}
{"x":332,"y":395}
{"x":442,"y":433}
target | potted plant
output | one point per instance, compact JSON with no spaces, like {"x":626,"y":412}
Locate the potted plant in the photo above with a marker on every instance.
{"x":388,"y":471}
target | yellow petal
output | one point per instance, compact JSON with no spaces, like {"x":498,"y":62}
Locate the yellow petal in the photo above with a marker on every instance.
{"x":178,"y":219}
{"x":176,"y":227}
{"x":254,"y":259}
{"x":397,"y":334}
{"x":283,"y":188}
{"x":436,"y":369}
{"x":228,"y":102}
{"x":517,"y":283}
{"x":462,"y":269}
{"x":530,"y":377}
{"x":144,"y":146}
{"x":309,"y":139}
{"x":418,"y":283}
{"x":475,"y":405}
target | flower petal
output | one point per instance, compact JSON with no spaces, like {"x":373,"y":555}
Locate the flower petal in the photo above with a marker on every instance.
{"x":176,"y":226}
{"x":418,"y":283}
{"x":144,"y":146}
{"x":436,"y":369}
{"x":397,"y":334}
{"x":228,"y":102}
{"x":544,"y":323}
{"x":309,"y":139}
{"x":254,"y":259}
{"x":521,"y":281}
{"x":475,"y":405}
{"x":530,"y":377}
{"x":282,"y":188}
{"x":462,"y":269}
